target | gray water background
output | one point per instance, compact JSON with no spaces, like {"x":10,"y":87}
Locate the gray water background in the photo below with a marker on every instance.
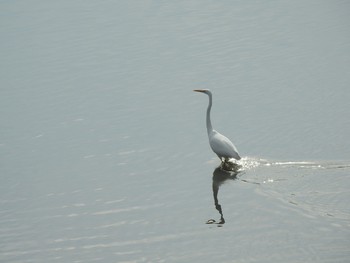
{"x":103,"y":148}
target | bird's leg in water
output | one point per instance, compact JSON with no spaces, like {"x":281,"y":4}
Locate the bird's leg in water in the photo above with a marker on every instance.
{"x":224,"y":163}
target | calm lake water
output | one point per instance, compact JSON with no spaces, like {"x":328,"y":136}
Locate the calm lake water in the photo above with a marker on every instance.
{"x":103,"y":145}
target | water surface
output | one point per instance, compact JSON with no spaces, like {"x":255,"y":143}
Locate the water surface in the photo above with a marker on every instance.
{"x":104,"y":152}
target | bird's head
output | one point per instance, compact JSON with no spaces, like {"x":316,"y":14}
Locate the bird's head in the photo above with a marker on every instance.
{"x":206,"y":91}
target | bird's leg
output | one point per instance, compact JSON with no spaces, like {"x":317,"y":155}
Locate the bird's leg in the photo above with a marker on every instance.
{"x":223,"y":162}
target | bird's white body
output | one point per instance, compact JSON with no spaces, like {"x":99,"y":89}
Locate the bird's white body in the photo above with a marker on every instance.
{"x":220,"y":144}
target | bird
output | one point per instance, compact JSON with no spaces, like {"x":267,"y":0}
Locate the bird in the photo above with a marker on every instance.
{"x":219,"y":143}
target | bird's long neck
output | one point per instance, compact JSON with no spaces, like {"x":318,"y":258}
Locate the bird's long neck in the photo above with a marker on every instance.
{"x":209,"y":127}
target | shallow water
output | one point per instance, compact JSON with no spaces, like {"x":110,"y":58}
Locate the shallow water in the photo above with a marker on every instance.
{"x":273,"y":211}
{"x":104,"y":153}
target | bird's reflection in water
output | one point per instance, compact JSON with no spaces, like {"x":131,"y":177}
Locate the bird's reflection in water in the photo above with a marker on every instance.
{"x":222,"y":173}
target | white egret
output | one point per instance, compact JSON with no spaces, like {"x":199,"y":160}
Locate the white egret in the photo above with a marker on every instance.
{"x":220,"y":144}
